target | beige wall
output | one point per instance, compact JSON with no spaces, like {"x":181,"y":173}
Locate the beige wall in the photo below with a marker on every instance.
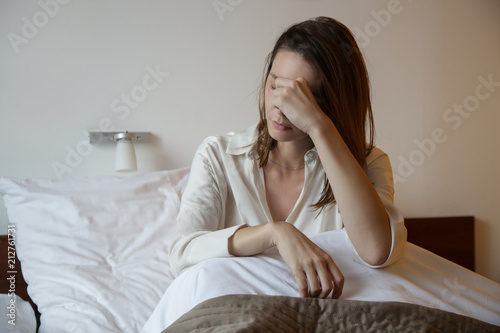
{"x":67,"y":67}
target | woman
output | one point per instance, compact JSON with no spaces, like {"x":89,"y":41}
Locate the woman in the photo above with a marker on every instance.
{"x":306,"y":168}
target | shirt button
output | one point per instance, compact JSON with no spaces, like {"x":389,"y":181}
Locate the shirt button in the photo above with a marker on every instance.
{"x":309,"y":156}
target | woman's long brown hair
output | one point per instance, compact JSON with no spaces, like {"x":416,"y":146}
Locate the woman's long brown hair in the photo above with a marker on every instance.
{"x":343,"y":90}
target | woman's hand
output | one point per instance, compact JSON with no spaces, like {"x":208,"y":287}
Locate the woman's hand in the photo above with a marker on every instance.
{"x":297,"y":102}
{"x":314,"y":270}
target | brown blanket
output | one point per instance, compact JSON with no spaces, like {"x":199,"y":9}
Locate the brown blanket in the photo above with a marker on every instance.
{"x":252,"y":313}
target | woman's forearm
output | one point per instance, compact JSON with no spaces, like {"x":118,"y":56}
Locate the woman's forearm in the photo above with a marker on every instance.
{"x":251,"y":240}
{"x":363,"y":213}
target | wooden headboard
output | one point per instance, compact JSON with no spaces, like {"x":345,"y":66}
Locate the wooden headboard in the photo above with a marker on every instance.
{"x":448,"y":237}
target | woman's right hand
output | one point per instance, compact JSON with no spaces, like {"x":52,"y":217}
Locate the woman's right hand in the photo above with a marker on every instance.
{"x":314,"y":270}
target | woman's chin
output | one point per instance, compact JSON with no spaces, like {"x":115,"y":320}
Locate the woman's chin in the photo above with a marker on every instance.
{"x":288,"y":136}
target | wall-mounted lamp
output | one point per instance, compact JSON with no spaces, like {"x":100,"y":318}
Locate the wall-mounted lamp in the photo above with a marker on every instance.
{"x":125,"y":159}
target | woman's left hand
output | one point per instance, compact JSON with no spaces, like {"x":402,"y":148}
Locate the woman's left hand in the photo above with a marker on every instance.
{"x":297,"y":102}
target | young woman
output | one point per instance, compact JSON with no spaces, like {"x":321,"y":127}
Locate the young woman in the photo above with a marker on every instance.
{"x":307,"y":167}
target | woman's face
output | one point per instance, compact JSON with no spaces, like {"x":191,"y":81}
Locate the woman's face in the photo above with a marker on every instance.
{"x":289,"y":65}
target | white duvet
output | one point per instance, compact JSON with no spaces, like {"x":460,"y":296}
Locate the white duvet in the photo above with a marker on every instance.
{"x":420,"y":277}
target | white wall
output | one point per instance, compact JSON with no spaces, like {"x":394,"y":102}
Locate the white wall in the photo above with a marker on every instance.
{"x":65,"y":67}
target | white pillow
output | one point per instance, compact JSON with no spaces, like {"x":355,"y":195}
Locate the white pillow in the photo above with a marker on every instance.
{"x":94,"y":249}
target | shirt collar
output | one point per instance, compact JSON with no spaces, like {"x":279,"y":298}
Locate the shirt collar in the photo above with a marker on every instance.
{"x":241,"y":143}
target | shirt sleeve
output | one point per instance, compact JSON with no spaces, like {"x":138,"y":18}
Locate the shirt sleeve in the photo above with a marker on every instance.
{"x":201,"y":232}
{"x":379,"y":171}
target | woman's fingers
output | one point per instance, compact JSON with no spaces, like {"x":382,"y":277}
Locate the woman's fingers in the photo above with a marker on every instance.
{"x":327,"y":284}
{"x":301,"y":279}
{"x":296,"y":100}
{"x":315,"y":286}
{"x":317,"y":278}
{"x":291,"y":95}
{"x":338,"y":280}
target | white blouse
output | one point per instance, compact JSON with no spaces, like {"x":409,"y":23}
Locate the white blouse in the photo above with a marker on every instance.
{"x":226,"y":191}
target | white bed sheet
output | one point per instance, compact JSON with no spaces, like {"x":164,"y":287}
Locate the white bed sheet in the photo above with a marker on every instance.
{"x":420,"y":277}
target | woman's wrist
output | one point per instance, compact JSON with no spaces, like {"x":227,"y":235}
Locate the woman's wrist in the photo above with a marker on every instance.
{"x":273,"y":229}
{"x":279,"y":231}
{"x":322,"y":130}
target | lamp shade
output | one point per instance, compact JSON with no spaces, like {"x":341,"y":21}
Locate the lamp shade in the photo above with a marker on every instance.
{"x":125,"y":159}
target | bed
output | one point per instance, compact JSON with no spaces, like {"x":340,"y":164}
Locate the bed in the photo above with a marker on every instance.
{"x":94,"y":258}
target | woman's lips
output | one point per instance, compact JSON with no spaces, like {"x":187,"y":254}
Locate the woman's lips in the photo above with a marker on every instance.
{"x":280,"y":127}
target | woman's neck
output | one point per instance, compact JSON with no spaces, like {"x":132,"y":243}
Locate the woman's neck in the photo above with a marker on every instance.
{"x":290,"y":155}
